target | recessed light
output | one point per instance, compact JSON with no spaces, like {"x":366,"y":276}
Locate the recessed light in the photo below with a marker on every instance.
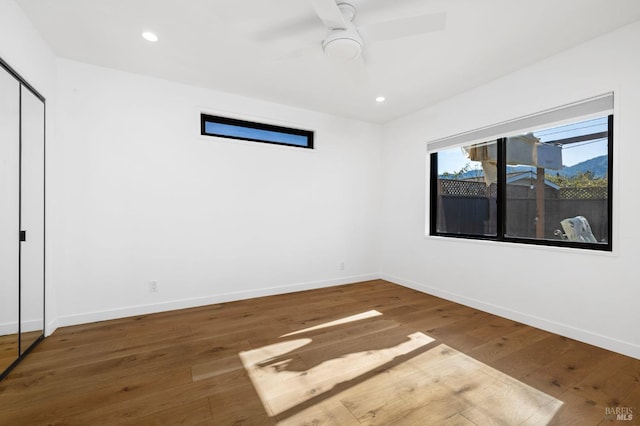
{"x":149,"y":36}
{"x":380,"y":99}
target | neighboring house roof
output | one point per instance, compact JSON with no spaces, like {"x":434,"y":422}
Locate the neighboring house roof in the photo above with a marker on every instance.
{"x":527,"y":178}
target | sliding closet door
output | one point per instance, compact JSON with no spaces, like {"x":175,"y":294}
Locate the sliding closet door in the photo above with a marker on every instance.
{"x":31,"y":219}
{"x":9,"y":218}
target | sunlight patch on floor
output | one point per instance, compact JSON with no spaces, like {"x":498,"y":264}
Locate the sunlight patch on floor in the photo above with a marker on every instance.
{"x":282,"y":388}
{"x":408,"y":381}
{"x":358,"y":317}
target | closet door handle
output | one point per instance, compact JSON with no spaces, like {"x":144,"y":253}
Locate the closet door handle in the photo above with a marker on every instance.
{"x":23,"y":236}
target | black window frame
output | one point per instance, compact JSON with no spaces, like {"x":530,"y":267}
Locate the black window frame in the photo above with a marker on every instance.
{"x":208,"y":118}
{"x":502,"y":205}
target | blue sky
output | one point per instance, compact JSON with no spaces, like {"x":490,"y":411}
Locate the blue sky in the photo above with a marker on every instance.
{"x":453,"y":160}
{"x":249,"y":133}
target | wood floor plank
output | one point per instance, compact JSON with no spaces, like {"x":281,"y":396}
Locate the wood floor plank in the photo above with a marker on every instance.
{"x":79,"y":397}
{"x":195,"y":412}
{"x":239,"y":405}
{"x":330,"y":413}
{"x":511,"y":340}
{"x":397,"y":396}
{"x":8,"y":350}
{"x":567,"y":371}
{"x":611,"y":385}
{"x":370,"y":353}
{"x":579,"y":411}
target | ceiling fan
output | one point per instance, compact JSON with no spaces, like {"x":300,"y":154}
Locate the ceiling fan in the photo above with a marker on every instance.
{"x":345,"y":40}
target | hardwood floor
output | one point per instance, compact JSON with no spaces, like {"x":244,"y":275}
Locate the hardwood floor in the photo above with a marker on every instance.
{"x":8,"y":350}
{"x":369,"y":353}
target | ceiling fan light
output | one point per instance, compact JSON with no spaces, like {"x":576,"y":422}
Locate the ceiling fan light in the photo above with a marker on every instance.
{"x":343,"y":49}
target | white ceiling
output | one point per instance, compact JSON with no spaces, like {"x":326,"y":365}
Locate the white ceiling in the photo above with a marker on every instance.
{"x":270,"y":49}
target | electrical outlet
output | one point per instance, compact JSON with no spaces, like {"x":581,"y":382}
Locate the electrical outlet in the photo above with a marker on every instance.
{"x":342,"y":266}
{"x":153,"y":287}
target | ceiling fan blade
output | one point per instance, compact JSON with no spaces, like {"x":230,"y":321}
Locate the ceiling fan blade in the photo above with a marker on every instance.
{"x":405,"y":27}
{"x":300,"y":53}
{"x":288,"y":30}
{"x":329,"y":13}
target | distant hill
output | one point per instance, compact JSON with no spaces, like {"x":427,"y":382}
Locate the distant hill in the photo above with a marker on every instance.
{"x":598,"y":165}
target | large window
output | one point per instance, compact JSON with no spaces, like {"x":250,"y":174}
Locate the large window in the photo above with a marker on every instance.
{"x":231,"y":128}
{"x":550,"y":186}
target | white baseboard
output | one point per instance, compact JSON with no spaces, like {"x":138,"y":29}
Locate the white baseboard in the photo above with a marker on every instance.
{"x":89,"y":317}
{"x":12,"y":327}
{"x":50,"y":327}
{"x":8,"y":328}
{"x":625,"y":348}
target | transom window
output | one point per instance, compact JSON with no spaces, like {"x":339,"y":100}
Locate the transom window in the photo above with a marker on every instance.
{"x":231,"y":128}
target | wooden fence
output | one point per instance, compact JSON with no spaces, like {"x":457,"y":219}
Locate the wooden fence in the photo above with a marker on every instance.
{"x":470,"y":208}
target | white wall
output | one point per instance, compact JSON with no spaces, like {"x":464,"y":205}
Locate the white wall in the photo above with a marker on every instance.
{"x":594,"y":297}
{"x":24,"y":50}
{"x":135,"y":195}
{"x":149,"y":199}
{"x":22,"y":47}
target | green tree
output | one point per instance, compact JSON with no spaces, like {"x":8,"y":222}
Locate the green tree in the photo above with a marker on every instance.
{"x":458,"y":174}
{"x":581,"y":180}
